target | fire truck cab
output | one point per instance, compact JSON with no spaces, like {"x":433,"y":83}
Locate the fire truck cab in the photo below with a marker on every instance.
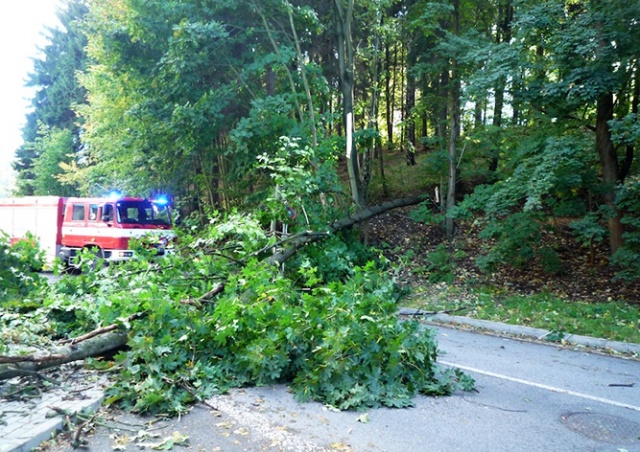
{"x":106,"y":226}
{"x":64,"y":227}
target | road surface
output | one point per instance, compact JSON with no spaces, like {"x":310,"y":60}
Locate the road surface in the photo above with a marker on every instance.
{"x":530,"y":397}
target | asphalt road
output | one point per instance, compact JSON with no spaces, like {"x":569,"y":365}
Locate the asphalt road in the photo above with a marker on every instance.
{"x":530,"y":397}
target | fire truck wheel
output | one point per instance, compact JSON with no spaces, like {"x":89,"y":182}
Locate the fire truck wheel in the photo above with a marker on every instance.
{"x":98,"y":261}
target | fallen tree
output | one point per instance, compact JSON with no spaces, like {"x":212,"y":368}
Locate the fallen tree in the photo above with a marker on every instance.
{"x":110,"y":338}
{"x":212,"y":323}
{"x":302,"y":239}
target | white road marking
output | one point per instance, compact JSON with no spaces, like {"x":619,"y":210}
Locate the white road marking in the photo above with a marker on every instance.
{"x":541,"y":386}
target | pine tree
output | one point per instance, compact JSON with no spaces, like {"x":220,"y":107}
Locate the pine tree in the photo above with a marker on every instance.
{"x":57,"y":92}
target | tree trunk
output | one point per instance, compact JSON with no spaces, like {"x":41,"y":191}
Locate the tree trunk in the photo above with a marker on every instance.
{"x":453,"y":142}
{"x":294,"y":243}
{"x":478,"y":113}
{"x":503,"y":34}
{"x":305,"y":81}
{"x":388,"y":96}
{"x":394,"y":82}
{"x":454,"y":128}
{"x":630,"y":148}
{"x":94,"y":346}
{"x":270,"y":81}
{"x":443,"y":87}
{"x":410,"y":103}
{"x":403,"y":118}
{"x":609,"y":163}
{"x":372,"y":118}
{"x":344,"y":17}
{"x":276,"y":50}
{"x":383,"y":177}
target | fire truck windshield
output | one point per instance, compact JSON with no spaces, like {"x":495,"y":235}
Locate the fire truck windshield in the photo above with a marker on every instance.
{"x":143,"y":212}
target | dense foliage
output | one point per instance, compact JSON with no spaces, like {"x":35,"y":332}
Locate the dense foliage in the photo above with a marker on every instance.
{"x":19,"y":266}
{"x":52,"y":146}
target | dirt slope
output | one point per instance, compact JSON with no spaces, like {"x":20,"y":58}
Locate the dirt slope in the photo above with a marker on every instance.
{"x":583,"y":276}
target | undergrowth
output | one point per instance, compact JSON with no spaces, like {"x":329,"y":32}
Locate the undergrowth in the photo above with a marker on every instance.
{"x":19,"y":266}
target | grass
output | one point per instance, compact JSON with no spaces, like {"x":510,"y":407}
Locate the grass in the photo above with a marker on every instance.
{"x":617,"y":321}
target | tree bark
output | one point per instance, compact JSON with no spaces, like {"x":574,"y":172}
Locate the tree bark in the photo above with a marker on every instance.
{"x":630,"y":148}
{"x":409,"y":105}
{"x":305,"y":81}
{"x":454,"y":128}
{"x":388,"y":96}
{"x":609,"y":163}
{"x":93,"y":346}
{"x":503,"y":34}
{"x":443,"y":111}
{"x":372,"y":119}
{"x":344,"y":16}
{"x":604,"y":146}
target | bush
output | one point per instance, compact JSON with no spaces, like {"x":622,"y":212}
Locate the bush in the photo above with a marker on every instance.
{"x":513,"y":241}
{"x":19,"y":266}
{"x":336,"y":257}
{"x":440,"y":265}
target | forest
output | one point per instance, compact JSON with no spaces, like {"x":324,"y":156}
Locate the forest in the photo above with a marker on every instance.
{"x":522,"y":112}
{"x":274,"y":126}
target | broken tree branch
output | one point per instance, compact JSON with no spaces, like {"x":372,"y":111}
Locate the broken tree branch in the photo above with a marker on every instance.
{"x":101,"y":330}
{"x":93,"y":346}
{"x":27,"y":358}
{"x":303,"y":239}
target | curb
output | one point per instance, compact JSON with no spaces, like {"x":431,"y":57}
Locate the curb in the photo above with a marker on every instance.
{"x":524,"y":331}
{"x":25,"y":425}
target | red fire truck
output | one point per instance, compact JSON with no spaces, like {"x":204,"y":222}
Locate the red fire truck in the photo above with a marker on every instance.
{"x":65,"y":227}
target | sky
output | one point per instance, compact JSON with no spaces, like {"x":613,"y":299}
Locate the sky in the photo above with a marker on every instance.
{"x":22,"y":31}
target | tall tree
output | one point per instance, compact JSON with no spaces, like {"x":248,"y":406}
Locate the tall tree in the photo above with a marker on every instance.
{"x":165,"y":89}
{"x":411,"y":42}
{"x":592,"y":47}
{"x":57,"y":92}
{"x":502,"y":35}
{"x":561,"y":156}
{"x":454,"y":121}
{"x":343,"y":24}
{"x":55,"y":150}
